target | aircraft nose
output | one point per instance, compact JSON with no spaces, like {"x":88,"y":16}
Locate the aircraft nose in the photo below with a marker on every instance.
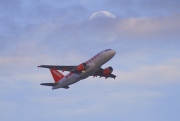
{"x":113,"y":52}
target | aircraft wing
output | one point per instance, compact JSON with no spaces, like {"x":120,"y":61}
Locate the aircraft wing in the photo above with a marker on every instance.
{"x":99,"y":73}
{"x":63,"y":68}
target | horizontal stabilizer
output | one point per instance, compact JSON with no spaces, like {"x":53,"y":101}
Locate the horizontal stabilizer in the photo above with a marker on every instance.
{"x":48,"y":84}
{"x":53,"y":84}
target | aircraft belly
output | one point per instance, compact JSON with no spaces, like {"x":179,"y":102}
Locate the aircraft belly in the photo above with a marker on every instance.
{"x":87,"y":73}
{"x":71,"y":80}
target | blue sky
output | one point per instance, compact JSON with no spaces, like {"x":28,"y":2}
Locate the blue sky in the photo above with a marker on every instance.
{"x":145,"y":35}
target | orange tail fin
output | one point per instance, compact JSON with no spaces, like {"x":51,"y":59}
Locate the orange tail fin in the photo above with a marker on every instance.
{"x":56,"y":75}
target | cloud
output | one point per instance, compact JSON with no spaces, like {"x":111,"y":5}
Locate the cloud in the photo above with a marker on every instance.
{"x":162,"y":73}
{"x":160,"y":29}
{"x":63,"y":28}
{"x":140,"y":8}
{"x":88,"y":33}
{"x":150,"y":28}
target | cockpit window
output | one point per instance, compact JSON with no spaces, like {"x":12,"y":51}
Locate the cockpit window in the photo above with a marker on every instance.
{"x":107,"y":50}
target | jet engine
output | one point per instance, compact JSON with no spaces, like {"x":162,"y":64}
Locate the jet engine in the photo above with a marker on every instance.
{"x":80,"y":67}
{"x":107,"y":71}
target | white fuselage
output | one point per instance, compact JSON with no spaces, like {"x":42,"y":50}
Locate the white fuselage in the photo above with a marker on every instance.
{"x":93,"y":65}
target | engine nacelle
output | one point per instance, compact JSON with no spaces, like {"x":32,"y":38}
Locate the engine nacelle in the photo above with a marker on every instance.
{"x":107,"y":71}
{"x":81,"y":67}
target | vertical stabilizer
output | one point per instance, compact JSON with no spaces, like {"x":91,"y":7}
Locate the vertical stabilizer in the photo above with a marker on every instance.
{"x":56,"y":75}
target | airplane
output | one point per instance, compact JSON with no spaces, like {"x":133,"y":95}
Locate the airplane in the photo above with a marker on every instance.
{"x":91,"y":67}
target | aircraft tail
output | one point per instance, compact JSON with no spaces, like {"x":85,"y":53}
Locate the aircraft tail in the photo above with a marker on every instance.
{"x":56,"y":75}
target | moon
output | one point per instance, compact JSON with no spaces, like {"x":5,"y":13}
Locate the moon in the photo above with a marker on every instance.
{"x":102,"y":14}
{"x":102,"y":26}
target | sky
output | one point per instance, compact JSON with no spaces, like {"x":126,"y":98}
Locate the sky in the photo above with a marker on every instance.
{"x":145,"y":35}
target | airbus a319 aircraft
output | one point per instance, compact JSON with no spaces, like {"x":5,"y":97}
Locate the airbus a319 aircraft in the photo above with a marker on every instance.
{"x":91,"y":67}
